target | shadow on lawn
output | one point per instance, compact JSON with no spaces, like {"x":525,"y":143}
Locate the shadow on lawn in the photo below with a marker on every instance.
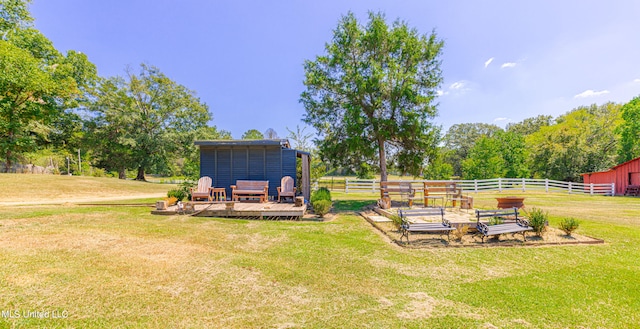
{"x":351,"y":205}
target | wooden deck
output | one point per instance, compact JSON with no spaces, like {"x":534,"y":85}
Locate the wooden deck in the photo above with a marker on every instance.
{"x":246,"y":210}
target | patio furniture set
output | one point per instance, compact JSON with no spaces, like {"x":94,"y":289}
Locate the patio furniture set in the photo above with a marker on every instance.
{"x":243,"y":189}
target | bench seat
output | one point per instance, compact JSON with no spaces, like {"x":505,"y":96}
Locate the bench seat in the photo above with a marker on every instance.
{"x":518,"y":226}
{"x":444,"y":226}
{"x":250,"y":189}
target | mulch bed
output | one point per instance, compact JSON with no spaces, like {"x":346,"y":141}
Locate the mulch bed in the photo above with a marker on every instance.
{"x":552,"y":237}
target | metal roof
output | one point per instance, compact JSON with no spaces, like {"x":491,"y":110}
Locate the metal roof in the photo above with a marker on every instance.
{"x":245,"y":142}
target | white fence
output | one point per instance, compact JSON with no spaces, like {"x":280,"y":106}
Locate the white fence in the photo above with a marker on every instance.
{"x":496,"y":185}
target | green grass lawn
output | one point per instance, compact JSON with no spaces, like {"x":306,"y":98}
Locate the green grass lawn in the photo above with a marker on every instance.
{"x":105,"y":266}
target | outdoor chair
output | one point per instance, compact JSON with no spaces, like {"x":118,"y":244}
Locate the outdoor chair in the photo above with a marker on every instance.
{"x":203,"y":191}
{"x":286,"y":189}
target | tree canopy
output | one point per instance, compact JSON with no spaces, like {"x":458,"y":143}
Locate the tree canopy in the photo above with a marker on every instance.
{"x":145,"y":121}
{"x":372,"y":94}
{"x":252,"y":134}
{"x":37,"y":83}
{"x":630,"y":131}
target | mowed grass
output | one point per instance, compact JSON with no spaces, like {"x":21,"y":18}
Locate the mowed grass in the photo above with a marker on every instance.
{"x":34,"y":189}
{"x":122,"y":267}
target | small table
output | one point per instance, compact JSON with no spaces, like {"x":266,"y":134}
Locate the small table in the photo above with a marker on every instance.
{"x":433,"y":199}
{"x":218,"y":194}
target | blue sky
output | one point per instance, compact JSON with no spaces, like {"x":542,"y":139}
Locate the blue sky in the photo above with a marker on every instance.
{"x":503,"y":61}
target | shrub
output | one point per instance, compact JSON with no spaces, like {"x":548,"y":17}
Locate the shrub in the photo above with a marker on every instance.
{"x":320,"y":194}
{"x":179,"y":194}
{"x":321,"y":207}
{"x":496,"y":221}
{"x":538,"y":220}
{"x":459,"y":232}
{"x":569,"y":224}
{"x":396,"y":220}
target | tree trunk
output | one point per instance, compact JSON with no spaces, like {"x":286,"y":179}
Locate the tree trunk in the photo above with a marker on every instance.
{"x":7,"y":165}
{"x":122,"y":174}
{"x":140,"y":175}
{"x":383,"y":163}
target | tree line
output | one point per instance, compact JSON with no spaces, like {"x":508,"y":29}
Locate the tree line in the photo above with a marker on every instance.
{"x":371,"y":97}
{"x":55,"y":104}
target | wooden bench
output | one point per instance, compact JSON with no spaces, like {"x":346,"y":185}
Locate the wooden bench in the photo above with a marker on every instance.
{"x":403,"y":189}
{"x":250,"y":189}
{"x":446,"y":191}
{"x":632,"y":190}
{"x":444,"y":226}
{"x":518,"y":226}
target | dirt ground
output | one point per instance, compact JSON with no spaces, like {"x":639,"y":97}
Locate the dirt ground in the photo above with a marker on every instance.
{"x":469,"y":237}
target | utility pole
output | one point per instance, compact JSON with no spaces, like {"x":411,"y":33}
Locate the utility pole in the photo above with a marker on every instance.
{"x":79,"y":163}
{"x":68,"y":167}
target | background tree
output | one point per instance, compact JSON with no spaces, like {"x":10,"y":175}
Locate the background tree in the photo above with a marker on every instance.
{"x":271,"y":134}
{"x":301,"y":140}
{"x":529,"y":126}
{"x":439,"y":169}
{"x":513,"y":150}
{"x":582,"y":140}
{"x":630,"y":131}
{"x":150,"y":119}
{"x":252,"y":134}
{"x":372,"y":94}
{"x":37,"y":83}
{"x":460,"y":139}
{"x":485,"y":160}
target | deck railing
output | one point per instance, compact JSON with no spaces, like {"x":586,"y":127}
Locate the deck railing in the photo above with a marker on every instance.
{"x":495,"y":185}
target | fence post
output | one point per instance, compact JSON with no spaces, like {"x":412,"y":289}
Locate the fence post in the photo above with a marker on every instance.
{"x":500,"y":185}
{"x":546,"y":185}
{"x":346,"y":186}
{"x":591,"y":189}
{"x":373,"y":186}
{"x":524,"y":189}
{"x":475,"y":185}
{"x":569,"y":187}
{"x":613,"y":189}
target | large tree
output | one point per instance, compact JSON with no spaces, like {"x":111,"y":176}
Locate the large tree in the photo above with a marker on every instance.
{"x":37,"y":83}
{"x":630,"y":131}
{"x":582,"y":140}
{"x":147,"y":120}
{"x":372,"y":95}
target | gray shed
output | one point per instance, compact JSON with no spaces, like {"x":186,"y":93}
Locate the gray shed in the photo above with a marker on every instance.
{"x":227,"y":161}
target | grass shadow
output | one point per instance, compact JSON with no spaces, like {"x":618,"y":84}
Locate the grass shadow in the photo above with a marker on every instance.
{"x":351,"y":205}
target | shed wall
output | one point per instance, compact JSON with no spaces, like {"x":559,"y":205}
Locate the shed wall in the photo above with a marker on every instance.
{"x":226,"y":165}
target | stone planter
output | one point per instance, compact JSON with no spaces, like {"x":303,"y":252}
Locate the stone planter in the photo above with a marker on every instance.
{"x":161,"y":205}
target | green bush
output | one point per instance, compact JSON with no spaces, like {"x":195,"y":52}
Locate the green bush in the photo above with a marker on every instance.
{"x":365,"y":171}
{"x":396,"y":220}
{"x":569,"y":224}
{"x":320,"y":194}
{"x":177,"y":193}
{"x":538,"y":219}
{"x":321,"y":207}
{"x":496,"y":221}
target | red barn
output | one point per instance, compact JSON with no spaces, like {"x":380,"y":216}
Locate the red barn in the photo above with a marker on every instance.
{"x":623,"y":175}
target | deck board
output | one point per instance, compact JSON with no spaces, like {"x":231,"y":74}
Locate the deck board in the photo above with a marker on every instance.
{"x":267,"y":210}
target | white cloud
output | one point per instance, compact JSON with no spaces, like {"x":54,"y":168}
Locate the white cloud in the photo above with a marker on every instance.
{"x":458,"y":85}
{"x":488,"y":62}
{"x":508,"y":65}
{"x":440,"y":93}
{"x":591,"y":93}
{"x":636,"y":80}
{"x":500,"y":119}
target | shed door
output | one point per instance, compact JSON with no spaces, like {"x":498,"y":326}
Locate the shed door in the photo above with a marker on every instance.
{"x":634,"y":178}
